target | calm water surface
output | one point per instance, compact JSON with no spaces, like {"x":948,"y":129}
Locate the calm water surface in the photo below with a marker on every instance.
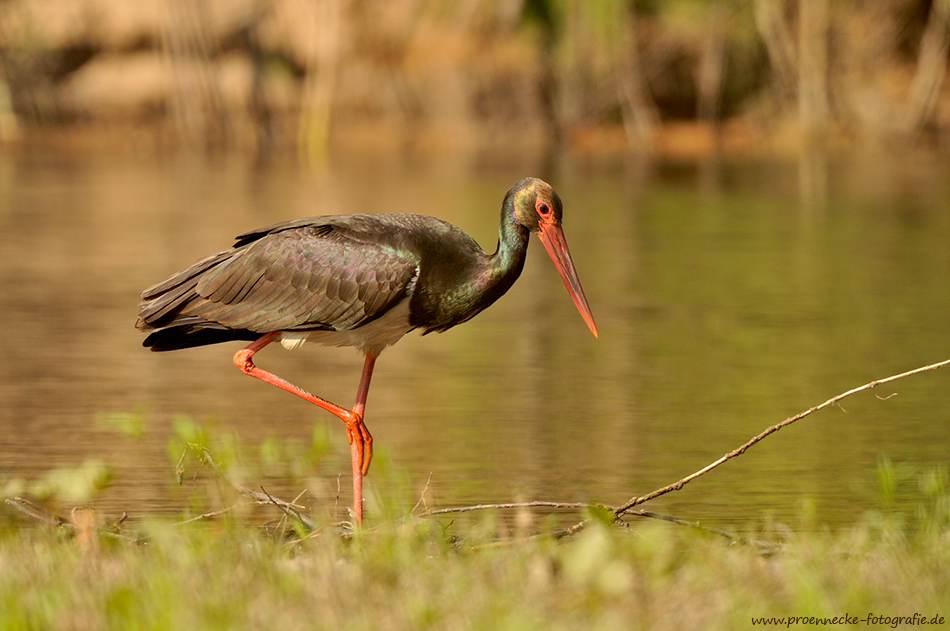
{"x":728,"y":297}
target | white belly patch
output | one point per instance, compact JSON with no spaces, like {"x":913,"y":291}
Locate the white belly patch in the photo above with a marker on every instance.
{"x":375,"y":336}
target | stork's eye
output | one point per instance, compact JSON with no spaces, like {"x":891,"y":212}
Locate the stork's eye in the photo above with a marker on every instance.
{"x":543,"y":209}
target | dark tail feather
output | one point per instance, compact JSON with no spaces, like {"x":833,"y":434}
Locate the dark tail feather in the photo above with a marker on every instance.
{"x":161,"y":302}
{"x":176,"y":338}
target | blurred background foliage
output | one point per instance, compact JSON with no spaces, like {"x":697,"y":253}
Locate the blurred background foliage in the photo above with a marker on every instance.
{"x":599,"y":77}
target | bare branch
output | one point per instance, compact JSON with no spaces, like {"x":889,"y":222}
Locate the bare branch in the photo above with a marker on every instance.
{"x":29,"y":508}
{"x":203,"y":516}
{"x":771,"y":430}
{"x":84,"y":530}
{"x":468,"y":509}
{"x":205,"y":457}
{"x":290,"y":510}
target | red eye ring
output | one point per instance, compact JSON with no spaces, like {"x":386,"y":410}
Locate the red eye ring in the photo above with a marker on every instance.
{"x":542,"y":208}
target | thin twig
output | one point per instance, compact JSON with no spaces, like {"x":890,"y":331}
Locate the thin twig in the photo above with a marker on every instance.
{"x":29,"y":508}
{"x":40,"y":514}
{"x":180,"y":468}
{"x":120,"y":520}
{"x":765,"y":545}
{"x":284,"y":518}
{"x":771,"y":430}
{"x":336,"y":500}
{"x":209,"y":515}
{"x":207,"y":458}
{"x":467,"y":509}
{"x":289,"y":510}
{"x":422,"y":497}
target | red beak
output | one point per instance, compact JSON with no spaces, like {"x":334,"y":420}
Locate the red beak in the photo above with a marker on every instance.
{"x":554,"y":242}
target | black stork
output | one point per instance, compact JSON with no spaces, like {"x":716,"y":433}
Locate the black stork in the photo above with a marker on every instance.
{"x":352,"y":280}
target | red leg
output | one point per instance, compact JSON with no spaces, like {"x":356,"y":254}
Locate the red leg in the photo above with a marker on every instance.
{"x":361,"y":443}
{"x":363,"y":439}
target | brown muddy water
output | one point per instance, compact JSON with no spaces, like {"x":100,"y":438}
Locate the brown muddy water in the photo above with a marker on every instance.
{"x":728,"y":296}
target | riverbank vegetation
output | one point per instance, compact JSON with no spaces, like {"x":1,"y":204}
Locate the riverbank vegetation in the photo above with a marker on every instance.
{"x":611,"y":77}
{"x":225,"y":573}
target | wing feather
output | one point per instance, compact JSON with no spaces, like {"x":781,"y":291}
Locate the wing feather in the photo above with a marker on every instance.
{"x":329,"y":274}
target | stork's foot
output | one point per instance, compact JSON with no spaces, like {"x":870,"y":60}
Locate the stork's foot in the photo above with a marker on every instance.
{"x":360,"y":440}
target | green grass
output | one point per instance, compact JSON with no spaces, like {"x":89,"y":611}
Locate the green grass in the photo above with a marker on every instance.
{"x":463,"y":575}
{"x":481,"y":570}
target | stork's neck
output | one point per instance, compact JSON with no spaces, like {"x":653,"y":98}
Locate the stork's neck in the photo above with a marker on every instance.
{"x":505,"y":265}
{"x":458,"y":280}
